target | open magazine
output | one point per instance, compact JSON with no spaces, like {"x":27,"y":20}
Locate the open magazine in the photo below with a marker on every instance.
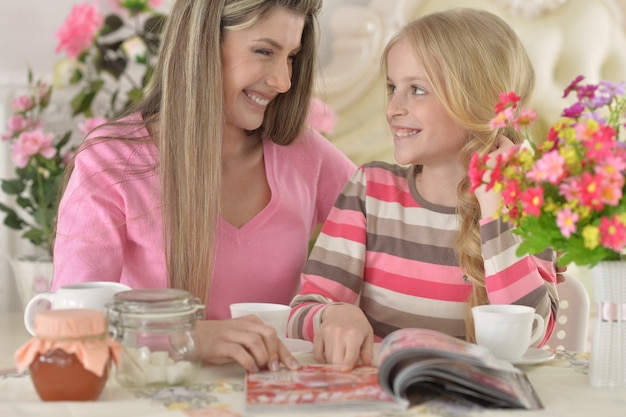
{"x":414,"y":366}
{"x":420,"y":365}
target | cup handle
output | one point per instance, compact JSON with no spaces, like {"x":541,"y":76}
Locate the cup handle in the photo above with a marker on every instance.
{"x":31,"y":310}
{"x":538,"y":331}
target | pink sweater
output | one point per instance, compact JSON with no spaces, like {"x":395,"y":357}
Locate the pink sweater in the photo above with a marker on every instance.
{"x":110,"y":227}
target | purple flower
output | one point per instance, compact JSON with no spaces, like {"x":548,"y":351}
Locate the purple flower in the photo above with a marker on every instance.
{"x":573,"y":85}
{"x":574,"y":111}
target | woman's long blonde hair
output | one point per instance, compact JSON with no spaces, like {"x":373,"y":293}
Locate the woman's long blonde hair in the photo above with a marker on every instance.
{"x":183,"y":111}
{"x":470,"y":57}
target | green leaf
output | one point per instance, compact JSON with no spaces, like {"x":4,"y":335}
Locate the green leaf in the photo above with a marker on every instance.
{"x":147,"y":76}
{"x":115,"y":67}
{"x":81,"y":103}
{"x":135,"y":94}
{"x":13,"y":187}
{"x":7,"y":209}
{"x":36,"y":236}
{"x":64,"y":140}
{"x":112,"y":23}
{"x":13,"y":221}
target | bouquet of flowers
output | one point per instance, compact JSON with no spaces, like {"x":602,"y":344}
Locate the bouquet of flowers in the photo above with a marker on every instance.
{"x":566,"y":192}
{"x":109,"y":61}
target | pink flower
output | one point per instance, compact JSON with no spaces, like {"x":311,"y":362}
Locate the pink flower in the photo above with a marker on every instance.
{"x":548,"y":168}
{"x":612,"y":233}
{"x":32,"y":143}
{"x":15,"y":125}
{"x":65,"y":159}
{"x":79,"y":29}
{"x":570,"y":189}
{"x":532,"y":200}
{"x":476,"y":170}
{"x":612,"y":168}
{"x":566,"y":220}
{"x":23,"y":103}
{"x":590,"y":191}
{"x":600,"y":145}
{"x":502,"y":118}
{"x":526,"y":118}
{"x":507,"y":100}
{"x":510,"y":193}
{"x":90,"y":124}
{"x":611,"y":191}
{"x":321,"y":117}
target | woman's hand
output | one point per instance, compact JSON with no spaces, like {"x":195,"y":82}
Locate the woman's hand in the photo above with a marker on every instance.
{"x":344,"y":337}
{"x":245,"y":340}
{"x":490,"y":200}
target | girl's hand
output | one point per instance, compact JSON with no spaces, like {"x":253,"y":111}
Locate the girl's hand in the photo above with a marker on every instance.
{"x":344,"y":337}
{"x":245,"y":340}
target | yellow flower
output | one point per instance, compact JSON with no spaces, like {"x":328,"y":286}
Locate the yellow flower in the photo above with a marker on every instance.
{"x":63,"y":72}
{"x":526,"y":159}
{"x":591,"y":236}
{"x":571,"y":157}
{"x":549,"y":206}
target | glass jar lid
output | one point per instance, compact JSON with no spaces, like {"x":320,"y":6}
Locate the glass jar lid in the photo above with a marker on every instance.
{"x":155,"y":301}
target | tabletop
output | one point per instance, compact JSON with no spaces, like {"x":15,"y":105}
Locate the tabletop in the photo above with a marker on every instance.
{"x":561,"y":383}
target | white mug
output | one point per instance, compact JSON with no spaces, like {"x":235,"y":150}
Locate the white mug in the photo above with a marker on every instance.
{"x":94,"y":295}
{"x":274,"y":315}
{"x":507,"y":329}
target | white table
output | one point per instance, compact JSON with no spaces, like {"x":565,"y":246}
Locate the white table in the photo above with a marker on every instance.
{"x":562,"y":385}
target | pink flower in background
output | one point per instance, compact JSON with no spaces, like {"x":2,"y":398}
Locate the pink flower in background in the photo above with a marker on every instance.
{"x":79,"y":29}
{"x":22,"y":103}
{"x":67,"y":158}
{"x":32,"y":143}
{"x":90,"y":124}
{"x":16,"y":125}
{"x":321,"y":117}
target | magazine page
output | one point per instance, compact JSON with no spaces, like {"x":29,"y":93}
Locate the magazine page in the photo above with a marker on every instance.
{"x":413,"y":361}
{"x":315,"y":386}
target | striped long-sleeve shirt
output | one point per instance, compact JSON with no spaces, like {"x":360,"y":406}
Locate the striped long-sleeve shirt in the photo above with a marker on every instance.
{"x":388,"y":250}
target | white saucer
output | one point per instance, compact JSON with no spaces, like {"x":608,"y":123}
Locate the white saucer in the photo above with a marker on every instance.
{"x":533,"y":356}
{"x":298,"y":345}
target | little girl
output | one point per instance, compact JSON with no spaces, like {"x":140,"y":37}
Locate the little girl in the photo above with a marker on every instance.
{"x":408,"y":245}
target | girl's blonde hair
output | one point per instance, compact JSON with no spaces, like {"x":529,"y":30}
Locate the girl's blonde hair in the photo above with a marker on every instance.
{"x":470,"y":57}
{"x":183,"y":111}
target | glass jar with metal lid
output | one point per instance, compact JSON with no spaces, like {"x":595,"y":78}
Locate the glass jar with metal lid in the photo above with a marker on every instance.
{"x":156,"y":329}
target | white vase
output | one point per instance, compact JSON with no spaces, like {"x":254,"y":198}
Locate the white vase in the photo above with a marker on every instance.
{"x":607,"y":367}
{"x":32,"y":276}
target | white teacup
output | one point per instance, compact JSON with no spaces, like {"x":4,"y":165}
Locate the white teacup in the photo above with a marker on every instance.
{"x":94,"y":295}
{"x":274,"y":315}
{"x":507,"y":330}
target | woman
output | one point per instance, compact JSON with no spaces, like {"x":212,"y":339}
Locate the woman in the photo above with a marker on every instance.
{"x":408,"y":243}
{"x":212,"y":183}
